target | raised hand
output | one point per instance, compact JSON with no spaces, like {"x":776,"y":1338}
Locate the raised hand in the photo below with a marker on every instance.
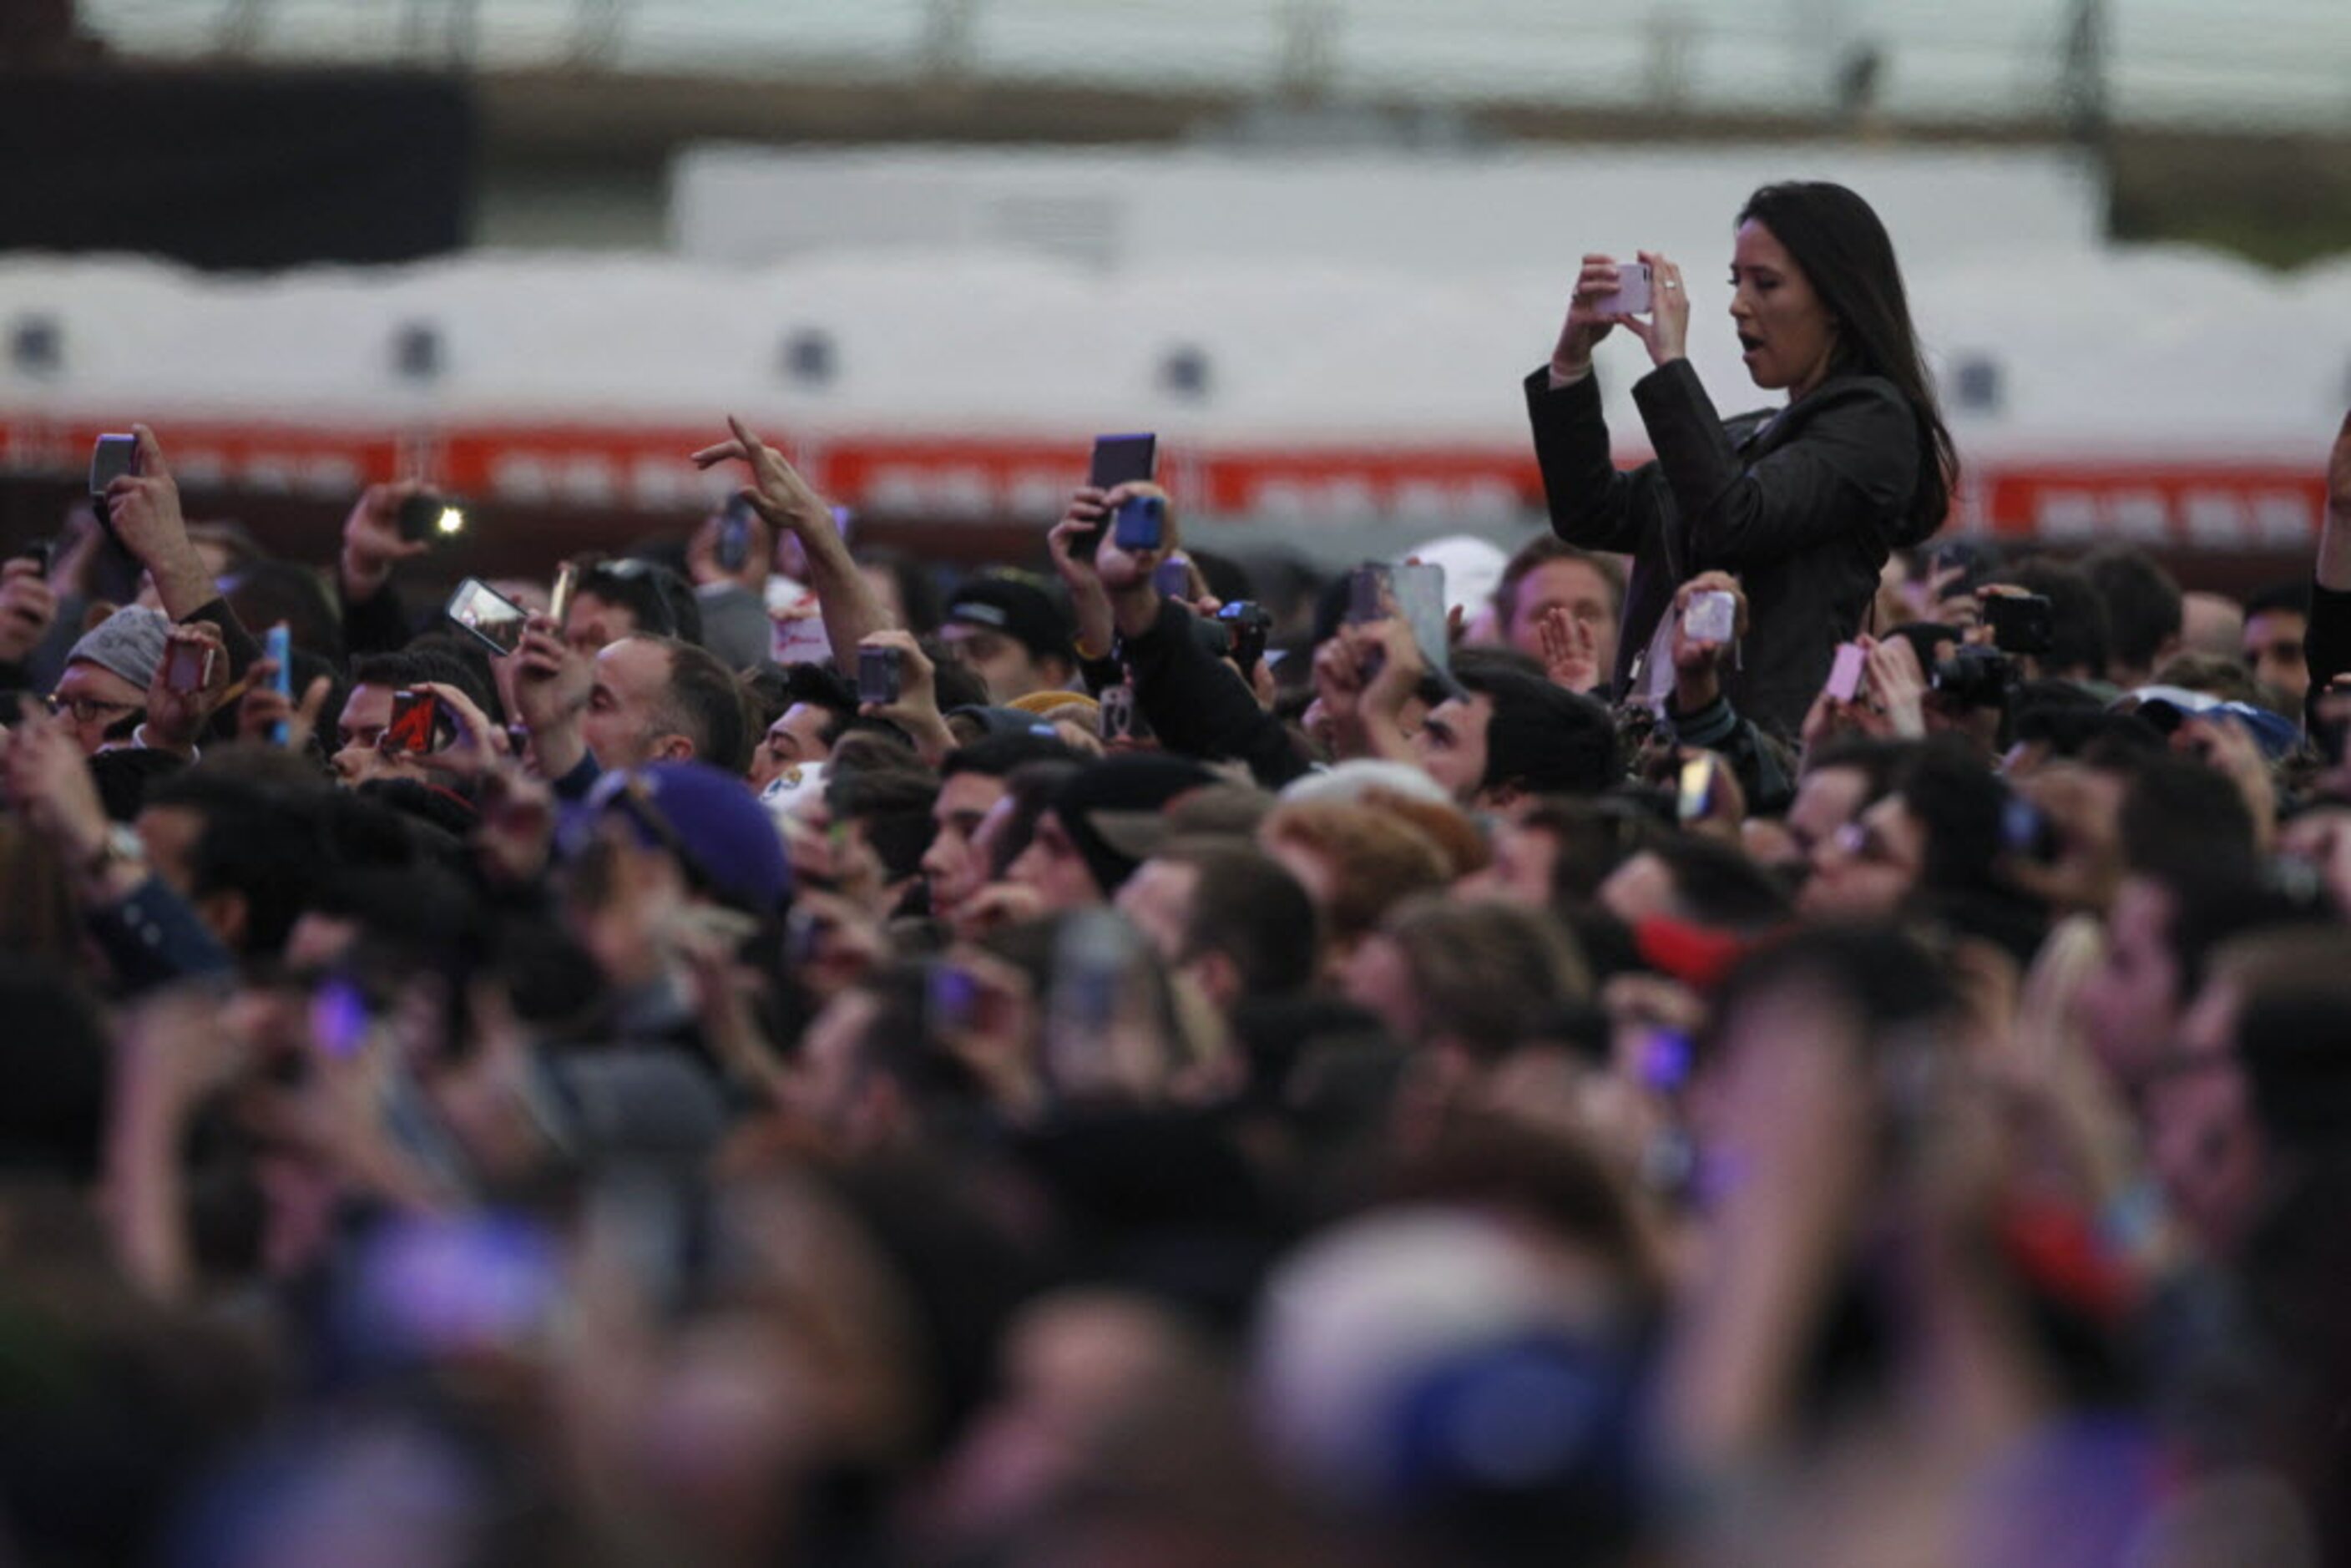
{"x":372,"y":543}
{"x":704,"y":567}
{"x":1898,"y":688}
{"x":1124,"y":571}
{"x":144,"y":506}
{"x":28,"y":606}
{"x":551,"y":684}
{"x":176,"y":717}
{"x":264,"y":706}
{"x":50,"y":783}
{"x":916,"y":711}
{"x":1086,"y":517}
{"x":478,"y":745}
{"x":144,"y":503}
{"x":1665,"y":332}
{"x":1698,"y":661}
{"x":1571,"y":358}
{"x":783,"y":497}
{"x":1570,"y":649}
{"x":792,"y":506}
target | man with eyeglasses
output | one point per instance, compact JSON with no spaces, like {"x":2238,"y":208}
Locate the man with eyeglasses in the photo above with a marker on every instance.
{"x":103,"y":691}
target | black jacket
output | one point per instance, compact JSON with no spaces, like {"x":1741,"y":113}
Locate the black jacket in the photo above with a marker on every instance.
{"x":1802,"y":504}
{"x":1199,"y":706}
{"x":2327,"y":644}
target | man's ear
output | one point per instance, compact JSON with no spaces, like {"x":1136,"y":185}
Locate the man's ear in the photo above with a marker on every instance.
{"x":673,"y":748}
{"x":1057,"y":669}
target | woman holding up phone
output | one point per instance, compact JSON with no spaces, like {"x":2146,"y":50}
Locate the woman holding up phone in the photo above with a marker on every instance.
{"x":1803,"y":504}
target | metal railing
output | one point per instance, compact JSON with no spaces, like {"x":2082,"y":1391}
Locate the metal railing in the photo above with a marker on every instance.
{"x":2264,"y":63}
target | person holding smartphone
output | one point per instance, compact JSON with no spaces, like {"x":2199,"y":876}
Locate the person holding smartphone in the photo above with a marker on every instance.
{"x":1803,"y":504}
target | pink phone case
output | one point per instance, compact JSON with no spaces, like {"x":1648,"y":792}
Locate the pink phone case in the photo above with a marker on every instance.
{"x":1845,"y":675}
{"x":1632,"y":296}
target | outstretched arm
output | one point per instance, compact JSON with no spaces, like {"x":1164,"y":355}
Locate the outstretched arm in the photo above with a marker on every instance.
{"x":851,"y":613}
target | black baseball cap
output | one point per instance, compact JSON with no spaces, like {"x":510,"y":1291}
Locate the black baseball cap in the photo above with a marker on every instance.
{"x":1020,"y":610}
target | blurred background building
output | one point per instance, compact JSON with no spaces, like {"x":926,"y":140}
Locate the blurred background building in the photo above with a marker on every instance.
{"x":534,"y":249}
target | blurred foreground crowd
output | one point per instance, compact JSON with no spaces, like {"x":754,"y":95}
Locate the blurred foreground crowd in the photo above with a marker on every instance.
{"x":1129,"y":1065}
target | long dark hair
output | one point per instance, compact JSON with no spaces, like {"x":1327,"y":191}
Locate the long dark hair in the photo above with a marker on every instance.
{"x":1844,"y":252}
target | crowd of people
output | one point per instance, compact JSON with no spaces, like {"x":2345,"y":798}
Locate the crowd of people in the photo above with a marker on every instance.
{"x":1775,"y":1037}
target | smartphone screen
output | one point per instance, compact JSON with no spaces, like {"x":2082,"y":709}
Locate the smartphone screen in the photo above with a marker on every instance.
{"x":2020,"y":622}
{"x":278,"y":646}
{"x":1123,"y":460}
{"x":1711,"y":617}
{"x":1418,"y":592}
{"x":112,"y":457}
{"x":1845,"y":675}
{"x":487,"y":615}
{"x":416,"y":726}
{"x":189,"y":667}
{"x":1697,"y":792}
{"x":733,"y":548}
{"x":877,"y":674}
{"x":1118,"y":717}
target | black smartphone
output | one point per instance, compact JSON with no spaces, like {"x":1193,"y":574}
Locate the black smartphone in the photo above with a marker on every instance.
{"x":735,"y":534}
{"x":485,"y":613}
{"x":418,"y":725}
{"x":41,"y":553}
{"x":1117,"y":460}
{"x":428,"y":518}
{"x":1250,"y":625}
{"x":1123,"y":460}
{"x":879,"y":674}
{"x":111,"y":459}
{"x":1140,"y":523}
{"x":2021,"y":623}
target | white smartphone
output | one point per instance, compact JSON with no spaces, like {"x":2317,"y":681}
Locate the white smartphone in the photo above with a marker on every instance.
{"x":1845,"y":675}
{"x":1710,"y":617}
{"x":1632,"y":296}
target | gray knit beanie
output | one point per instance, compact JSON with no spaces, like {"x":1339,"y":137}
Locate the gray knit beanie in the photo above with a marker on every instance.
{"x":129,"y":642}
